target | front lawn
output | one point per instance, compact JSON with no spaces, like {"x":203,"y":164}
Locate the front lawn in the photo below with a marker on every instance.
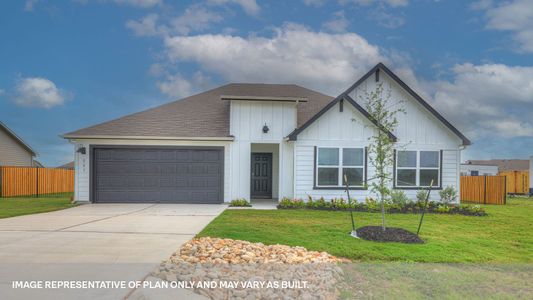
{"x":12,"y":207}
{"x":504,"y":236}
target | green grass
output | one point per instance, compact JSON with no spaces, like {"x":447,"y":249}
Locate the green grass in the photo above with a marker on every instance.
{"x":12,"y":207}
{"x":505,"y":236}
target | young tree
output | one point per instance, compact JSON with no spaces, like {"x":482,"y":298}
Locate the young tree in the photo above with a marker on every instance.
{"x":381,"y":148}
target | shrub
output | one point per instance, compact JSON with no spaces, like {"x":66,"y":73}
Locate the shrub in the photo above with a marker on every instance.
{"x":371,"y":204}
{"x":421,"y":196}
{"x":291,"y":203}
{"x":443,"y":209}
{"x":448,"y":195}
{"x":241,"y":202}
{"x":398,"y":197}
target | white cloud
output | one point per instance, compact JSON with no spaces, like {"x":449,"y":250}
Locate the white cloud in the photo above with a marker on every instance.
{"x":515,"y":16}
{"x":38,"y":92}
{"x":250,"y":6}
{"x":294,"y":54}
{"x":393,"y":3}
{"x":147,"y":26}
{"x":139,"y":3}
{"x":386,"y":19}
{"x":175,"y":86}
{"x":338,"y":23}
{"x":315,"y":3}
{"x":195,"y":18}
{"x":28,"y":6}
{"x":488,"y":99}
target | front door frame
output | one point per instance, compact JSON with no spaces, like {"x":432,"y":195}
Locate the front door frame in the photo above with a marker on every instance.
{"x":271,"y":175}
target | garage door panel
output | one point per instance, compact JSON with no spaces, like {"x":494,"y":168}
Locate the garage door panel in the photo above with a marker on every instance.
{"x":169,"y":175}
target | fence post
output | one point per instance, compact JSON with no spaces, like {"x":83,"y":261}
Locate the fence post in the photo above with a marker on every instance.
{"x":1,"y":185}
{"x":485,"y":193}
{"x":505,"y":190}
{"x":37,"y":182}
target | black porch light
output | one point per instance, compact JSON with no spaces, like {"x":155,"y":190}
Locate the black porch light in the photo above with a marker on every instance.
{"x":265,"y":128}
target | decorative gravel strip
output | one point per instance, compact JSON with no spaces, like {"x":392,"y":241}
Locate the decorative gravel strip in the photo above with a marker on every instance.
{"x":253,"y":266}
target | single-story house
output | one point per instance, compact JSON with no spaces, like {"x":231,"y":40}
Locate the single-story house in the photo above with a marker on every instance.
{"x":470,"y":169}
{"x":503,"y":165}
{"x":13,"y":150}
{"x":258,"y":141}
{"x":67,"y":166}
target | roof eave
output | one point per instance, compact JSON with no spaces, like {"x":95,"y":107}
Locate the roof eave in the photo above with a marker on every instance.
{"x":125,"y":137}
{"x":18,"y":139}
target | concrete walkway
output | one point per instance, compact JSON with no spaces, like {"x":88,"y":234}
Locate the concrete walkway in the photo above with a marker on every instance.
{"x":95,"y":241}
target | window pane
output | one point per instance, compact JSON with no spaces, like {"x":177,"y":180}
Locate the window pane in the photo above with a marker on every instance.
{"x":354,"y":175}
{"x":429,"y":159}
{"x":406,"y":177}
{"x":328,"y":176}
{"x":352,"y":157}
{"x":427,"y":175}
{"x":407,"y":159}
{"x":328,"y":156}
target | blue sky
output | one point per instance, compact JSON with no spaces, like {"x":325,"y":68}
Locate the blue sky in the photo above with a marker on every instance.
{"x":70,"y":64}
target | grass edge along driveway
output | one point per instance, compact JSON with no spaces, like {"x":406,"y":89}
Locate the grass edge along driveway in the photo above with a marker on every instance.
{"x":505,"y":236}
{"x":19,"y":206}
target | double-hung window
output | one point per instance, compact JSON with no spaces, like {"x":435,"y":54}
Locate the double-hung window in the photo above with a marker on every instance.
{"x":417,"y":168}
{"x":333,"y":163}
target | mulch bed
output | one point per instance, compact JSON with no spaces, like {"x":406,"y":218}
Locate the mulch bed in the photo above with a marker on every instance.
{"x":391,"y":234}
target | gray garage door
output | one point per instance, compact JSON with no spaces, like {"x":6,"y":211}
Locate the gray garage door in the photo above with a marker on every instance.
{"x":158,"y":175}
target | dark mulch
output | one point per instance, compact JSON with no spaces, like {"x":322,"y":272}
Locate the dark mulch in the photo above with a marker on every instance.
{"x":391,"y":234}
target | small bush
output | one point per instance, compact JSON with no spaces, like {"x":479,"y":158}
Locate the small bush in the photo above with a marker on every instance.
{"x":421,"y":196}
{"x":443,"y":209}
{"x":291,"y":203}
{"x":239,"y":203}
{"x":398,"y":197}
{"x":448,"y":195}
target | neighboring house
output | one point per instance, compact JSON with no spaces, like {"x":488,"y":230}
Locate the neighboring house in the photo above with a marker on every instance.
{"x":37,"y":164}
{"x":261,"y":141}
{"x":469,"y":169}
{"x":503,"y":164}
{"x":13,"y":150}
{"x":68,"y":166}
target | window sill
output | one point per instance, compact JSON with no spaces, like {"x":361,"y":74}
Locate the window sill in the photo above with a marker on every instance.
{"x":338,"y":188}
{"x":416,"y":188}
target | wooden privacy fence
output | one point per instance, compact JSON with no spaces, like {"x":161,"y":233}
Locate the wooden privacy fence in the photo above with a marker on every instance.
{"x":484,"y":189}
{"x":27,"y":181}
{"x":517,"y":181}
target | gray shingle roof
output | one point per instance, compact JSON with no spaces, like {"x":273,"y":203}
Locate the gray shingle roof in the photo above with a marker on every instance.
{"x":503,"y":164}
{"x":202,"y":115}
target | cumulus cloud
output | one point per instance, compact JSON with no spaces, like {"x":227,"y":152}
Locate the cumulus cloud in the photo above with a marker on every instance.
{"x":29,"y":5}
{"x":195,"y":18}
{"x":249,"y":6}
{"x":514,"y":16}
{"x":338,"y":23}
{"x":147,"y":26}
{"x":177,"y":86}
{"x":315,"y":3}
{"x":488,"y":99}
{"x":393,"y":3}
{"x":323,"y":61}
{"x":139,"y":3}
{"x":38,"y":92}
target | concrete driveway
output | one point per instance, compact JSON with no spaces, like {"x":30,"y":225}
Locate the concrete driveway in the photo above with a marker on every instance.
{"x":97,"y":241}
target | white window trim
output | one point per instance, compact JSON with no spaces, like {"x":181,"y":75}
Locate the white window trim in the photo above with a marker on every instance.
{"x":417,"y":169}
{"x":339,"y":166}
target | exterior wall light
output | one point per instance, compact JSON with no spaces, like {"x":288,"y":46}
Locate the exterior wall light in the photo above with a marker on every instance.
{"x":265,"y":128}
{"x":81,"y":150}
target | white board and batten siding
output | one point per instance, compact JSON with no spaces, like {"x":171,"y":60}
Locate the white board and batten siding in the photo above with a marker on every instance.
{"x":418,"y":129}
{"x":82,"y":161}
{"x":247,"y":119}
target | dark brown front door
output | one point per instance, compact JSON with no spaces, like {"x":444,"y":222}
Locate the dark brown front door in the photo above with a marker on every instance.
{"x":261,"y":175}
